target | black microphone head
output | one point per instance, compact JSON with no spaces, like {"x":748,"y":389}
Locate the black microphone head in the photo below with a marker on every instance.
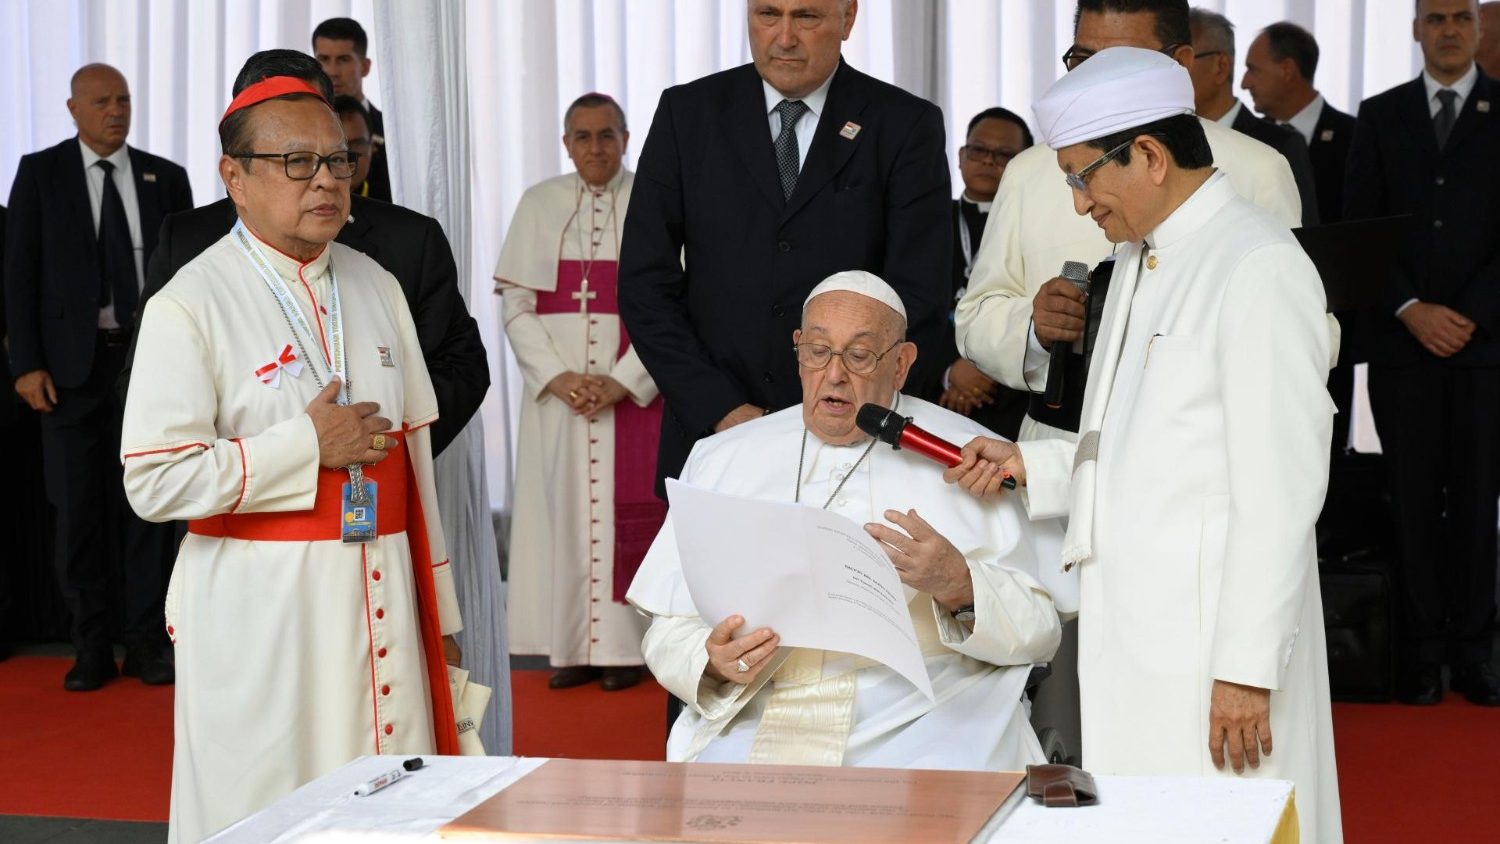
{"x":882,"y":423}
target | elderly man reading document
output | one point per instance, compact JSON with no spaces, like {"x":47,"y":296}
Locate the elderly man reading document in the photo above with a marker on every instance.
{"x":280,"y":403}
{"x":970,"y":567}
{"x":1193,"y":490}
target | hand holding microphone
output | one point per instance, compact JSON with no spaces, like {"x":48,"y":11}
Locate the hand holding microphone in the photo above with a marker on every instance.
{"x":1059,"y":317}
{"x":897,"y":431}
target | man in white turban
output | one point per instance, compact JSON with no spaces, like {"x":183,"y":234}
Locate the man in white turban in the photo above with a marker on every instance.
{"x":971,"y":568}
{"x":1202,"y":462}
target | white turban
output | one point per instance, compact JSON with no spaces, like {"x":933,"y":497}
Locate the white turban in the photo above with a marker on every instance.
{"x":863,"y":283}
{"x":1113,"y":90}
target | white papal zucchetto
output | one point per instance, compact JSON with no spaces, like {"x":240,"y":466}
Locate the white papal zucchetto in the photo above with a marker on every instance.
{"x":1113,"y":90}
{"x":863,"y":283}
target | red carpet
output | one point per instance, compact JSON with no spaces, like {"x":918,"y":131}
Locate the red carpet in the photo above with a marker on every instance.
{"x":1405,"y":773}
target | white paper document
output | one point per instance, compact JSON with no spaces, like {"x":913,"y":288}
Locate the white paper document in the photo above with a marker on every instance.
{"x":814,"y":577}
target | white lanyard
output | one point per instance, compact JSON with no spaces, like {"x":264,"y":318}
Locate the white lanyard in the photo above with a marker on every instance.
{"x":334,"y":361}
{"x":965,"y":241}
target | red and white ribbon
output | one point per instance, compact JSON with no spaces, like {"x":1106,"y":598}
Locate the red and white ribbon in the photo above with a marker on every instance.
{"x":270,"y":374}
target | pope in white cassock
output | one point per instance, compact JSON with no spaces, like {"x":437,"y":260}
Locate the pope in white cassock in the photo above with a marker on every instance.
{"x":280,"y":404}
{"x":585,"y":511}
{"x":971,"y":569}
{"x":1203,"y":460}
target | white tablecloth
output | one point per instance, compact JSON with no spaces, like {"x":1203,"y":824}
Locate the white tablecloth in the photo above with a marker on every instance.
{"x":1148,"y":810}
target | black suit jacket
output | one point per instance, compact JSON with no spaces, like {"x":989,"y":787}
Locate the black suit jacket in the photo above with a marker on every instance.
{"x":52,"y":255}
{"x":8,"y":403}
{"x":1291,"y":146}
{"x":1329,"y":152}
{"x":1452,"y":254}
{"x":718,"y":334}
{"x":379,"y":178}
{"x":411,"y":247}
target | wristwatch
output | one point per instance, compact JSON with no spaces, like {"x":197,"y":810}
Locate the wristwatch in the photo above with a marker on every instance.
{"x":964,"y":613}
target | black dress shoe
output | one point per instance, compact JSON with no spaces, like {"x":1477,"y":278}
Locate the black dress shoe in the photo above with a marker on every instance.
{"x":622,"y":677}
{"x":1422,"y":686}
{"x":92,"y":670}
{"x":153,"y":665}
{"x":573,"y":675}
{"x":1478,"y":683}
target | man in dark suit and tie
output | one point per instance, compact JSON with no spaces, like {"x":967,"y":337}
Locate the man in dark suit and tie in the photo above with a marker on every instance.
{"x":82,"y":225}
{"x":410,"y":246}
{"x":755,"y":184}
{"x":1427,"y":148}
{"x":341,"y":47}
{"x":1212,"y":71}
{"x":1279,"y":68}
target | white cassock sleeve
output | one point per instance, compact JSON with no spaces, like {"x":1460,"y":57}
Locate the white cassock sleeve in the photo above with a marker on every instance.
{"x":993,"y":320}
{"x":1048,"y":493}
{"x":1015,"y":621}
{"x":632,"y":375}
{"x":536,"y":355}
{"x":1273,"y":358}
{"x":176,"y":466}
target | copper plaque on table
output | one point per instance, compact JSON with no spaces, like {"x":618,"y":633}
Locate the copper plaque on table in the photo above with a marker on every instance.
{"x":664,"y":801}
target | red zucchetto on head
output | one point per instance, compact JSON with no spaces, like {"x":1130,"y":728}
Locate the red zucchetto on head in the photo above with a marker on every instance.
{"x":270,"y":88}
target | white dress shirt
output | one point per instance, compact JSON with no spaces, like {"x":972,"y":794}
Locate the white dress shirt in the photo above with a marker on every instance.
{"x":1306,"y":120}
{"x":1463,"y":86}
{"x":125,"y":183}
{"x":1227,"y":119}
{"x":807,"y":124}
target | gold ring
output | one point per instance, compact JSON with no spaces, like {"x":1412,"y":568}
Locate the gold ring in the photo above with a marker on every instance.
{"x":377,"y":442}
{"x":572,"y":394}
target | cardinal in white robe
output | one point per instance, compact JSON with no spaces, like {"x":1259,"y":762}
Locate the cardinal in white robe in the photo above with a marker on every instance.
{"x":982,"y":614}
{"x":279,"y":404}
{"x":585,"y":511}
{"x":1203,"y":460}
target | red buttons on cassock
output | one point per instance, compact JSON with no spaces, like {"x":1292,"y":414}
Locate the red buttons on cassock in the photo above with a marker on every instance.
{"x":385,"y":690}
{"x":380,"y":653}
{"x":375,"y":575}
{"x":170,"y":631}
{"x":380,"y":613}
{"x":389,"y":729}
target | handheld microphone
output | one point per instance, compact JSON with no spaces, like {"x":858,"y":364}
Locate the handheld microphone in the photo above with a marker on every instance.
{"x":1078,"y":273}
{"x":898,"y":432}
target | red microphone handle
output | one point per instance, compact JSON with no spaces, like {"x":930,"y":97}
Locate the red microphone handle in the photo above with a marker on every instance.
{"x":929,"y":445}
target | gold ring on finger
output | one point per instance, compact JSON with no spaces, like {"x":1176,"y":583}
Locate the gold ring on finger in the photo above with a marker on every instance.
{"x":377,"y":442}
{"x":573,"y":394}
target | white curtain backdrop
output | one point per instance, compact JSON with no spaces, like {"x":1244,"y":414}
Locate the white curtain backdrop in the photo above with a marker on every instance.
{"x":527,"y":59}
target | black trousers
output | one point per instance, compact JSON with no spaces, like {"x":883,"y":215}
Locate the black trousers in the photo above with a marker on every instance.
{"x":1439,"y":428}
{"x":102,"y":548}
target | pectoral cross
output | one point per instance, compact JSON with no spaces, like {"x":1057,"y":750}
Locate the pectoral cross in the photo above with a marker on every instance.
{"x":583,"y":296}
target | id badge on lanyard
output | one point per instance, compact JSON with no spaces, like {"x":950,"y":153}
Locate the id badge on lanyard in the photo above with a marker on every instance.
{"x":357,"y":510}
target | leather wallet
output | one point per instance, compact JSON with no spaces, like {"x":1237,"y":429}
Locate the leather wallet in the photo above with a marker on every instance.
{"x":1060,"y":785}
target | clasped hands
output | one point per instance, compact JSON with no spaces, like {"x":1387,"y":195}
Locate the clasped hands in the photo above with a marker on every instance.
{"x":586,"y":394}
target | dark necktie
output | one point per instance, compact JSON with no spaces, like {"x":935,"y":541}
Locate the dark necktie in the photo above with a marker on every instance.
{"x":117,"y":276}
{"x":788,"y":158}
{"x":1447,"y":115}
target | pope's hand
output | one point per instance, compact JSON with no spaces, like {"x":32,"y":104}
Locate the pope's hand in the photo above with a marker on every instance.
{"x":727,"y":654}
{"x":1058,"y":311}
{"x":1239,"y":716}
{"x":1441,"y":330}
{"x":924,"y":559}
{"x":986,"y":464}
{"x":346,"y":433}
